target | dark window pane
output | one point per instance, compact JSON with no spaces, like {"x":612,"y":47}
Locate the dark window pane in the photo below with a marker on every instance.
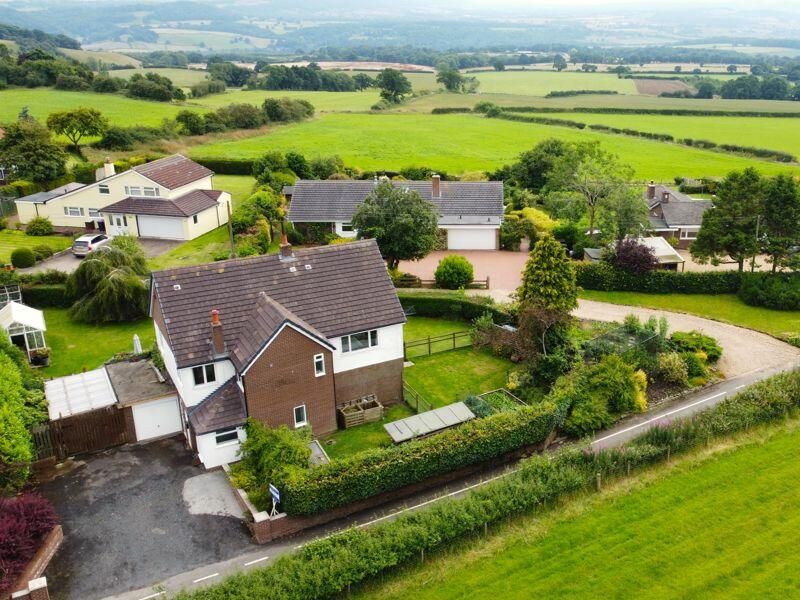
{"x":198,"y":375}
{"x":210,"y":374}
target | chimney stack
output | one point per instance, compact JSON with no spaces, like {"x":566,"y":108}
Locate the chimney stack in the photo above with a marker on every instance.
{"x":436,"y":186}
{"x":651,"y":190}
{"x":285,"y":248}
{"x":217,"y":338}
{"x":107,"y":170}
{"x":665,"y":197}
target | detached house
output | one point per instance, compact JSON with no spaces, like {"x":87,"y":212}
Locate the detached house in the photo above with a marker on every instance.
{"x":674,"y":214}
{"x":282,"y":339}
{"x":169,"y":198}
{"x":470,"y":212}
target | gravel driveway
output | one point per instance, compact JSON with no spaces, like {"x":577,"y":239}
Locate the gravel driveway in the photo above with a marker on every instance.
{"x":744,"y":350}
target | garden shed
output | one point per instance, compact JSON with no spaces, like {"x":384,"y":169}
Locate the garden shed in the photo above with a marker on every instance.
{"x":429,"y":422}
{"x":24,"y":326}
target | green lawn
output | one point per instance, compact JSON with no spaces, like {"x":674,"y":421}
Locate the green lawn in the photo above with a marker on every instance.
{"x":540,"y":83}
{"x":118,"y":109}
{"x":322,"y":101}
{"x":725,"y":307}
{"x":372,"y":435}
{"x":11,"y":239}
{"x":458,"y":143}
{"x":420,"y":328}
{"x":80,"y":346}
{"x":449,"y":377}
{"x":238,"y":186}
{"x":772,"y":133}
{"x":722,"y":526}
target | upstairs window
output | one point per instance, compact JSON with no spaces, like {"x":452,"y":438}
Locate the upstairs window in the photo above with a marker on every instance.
{"x":151,"y":192}
{"x":319,"y":365}
{"x":360,"y":341}
{"x":300,"y":416}
{"x":204,"y":374}
{"x":133,"y":190}
{"x":103,"y":188}
{"x":73,"y":211}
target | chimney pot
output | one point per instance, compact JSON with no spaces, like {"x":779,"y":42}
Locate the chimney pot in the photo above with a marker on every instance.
{"x":665,"y":197}
{"x":651,"y":190}
{"x":217,"y":334}
{"x":436,"y":186}
{"x":285,"y":248}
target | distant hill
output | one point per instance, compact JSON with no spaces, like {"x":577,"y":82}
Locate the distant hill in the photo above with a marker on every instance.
{"x":33,"y":38}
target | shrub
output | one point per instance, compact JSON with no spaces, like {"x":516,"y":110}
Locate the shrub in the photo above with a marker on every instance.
{"x":404,"y":280}
{"x":191,"y":122}
{"x":206,"y":87}
{"x":694,"y":341}
{"x":283,"y":110}
{"x":695,"y":365}
{"x":512,"y":230}
{"x":453,"y":272}
{"x":39,"y":226}
{"x":241,"y":116}
{"x":372,"y":472}
{"x":672,"y":368}
{"x":632,"y":257}
{"x":42,"y":251}
{"x":227,"y":166}
{"x":116,"y":138}
{"x":24,"y":522}
{"x":779,"y":291}
{"x":46,"y":296}
{"x":22,"y":258}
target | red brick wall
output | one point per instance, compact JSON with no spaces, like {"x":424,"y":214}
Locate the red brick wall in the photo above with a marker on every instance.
{"x":385,"y":380}
{"x":158,"y":316}
{"x":283,"y":377}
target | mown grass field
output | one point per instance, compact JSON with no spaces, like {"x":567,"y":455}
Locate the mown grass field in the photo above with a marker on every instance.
{"x":458,"y":143}
{"x":711,"y":526}
{"x":773,"y":133}
{"x":540,"y":83}
{"x":724,"y":307}
{"x":109,"y":58}
{"x":118,"y":109}
{"x":180,"y":77}
{"x":11,"y":239}
{"x":322,"y":101}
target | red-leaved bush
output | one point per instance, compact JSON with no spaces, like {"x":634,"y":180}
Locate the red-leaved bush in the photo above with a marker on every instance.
{"x":633,"y":257}
{"x":24,"y":522}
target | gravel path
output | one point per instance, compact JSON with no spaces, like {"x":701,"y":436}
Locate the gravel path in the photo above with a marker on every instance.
{"x":744,"y":350}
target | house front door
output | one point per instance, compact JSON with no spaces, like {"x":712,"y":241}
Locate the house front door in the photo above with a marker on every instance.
{"x":119,"y":225}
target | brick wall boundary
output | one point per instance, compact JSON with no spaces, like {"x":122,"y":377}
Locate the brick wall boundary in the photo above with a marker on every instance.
{"x":30,"y":583}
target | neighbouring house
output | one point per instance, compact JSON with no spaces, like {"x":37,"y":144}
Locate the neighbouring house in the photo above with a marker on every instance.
{"x":673,"y":214}
{"x":169,"y":198}
{"x":668,"y":258}
{"x":470,"y":212}
{"x":280,"y":338}
{"x":24,"y":326}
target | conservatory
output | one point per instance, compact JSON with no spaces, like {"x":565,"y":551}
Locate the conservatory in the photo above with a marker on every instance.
{"x":24,"y":327}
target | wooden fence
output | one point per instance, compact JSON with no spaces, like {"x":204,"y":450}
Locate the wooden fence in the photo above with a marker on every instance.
{"x":414,"y":400}
{"x":87,"y":432}
{"x":437,"y":343}
{"x":477,"y":284}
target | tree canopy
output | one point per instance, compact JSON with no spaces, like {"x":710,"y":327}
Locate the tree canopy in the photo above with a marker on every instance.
{"x":548,"y":281}
{"x":77,"y":123}
{"x":393,"y":85}
{"x":30,"y":149}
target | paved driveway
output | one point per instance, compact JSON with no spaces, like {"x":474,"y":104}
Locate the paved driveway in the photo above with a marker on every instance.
{"x":67,"y":263}
{"x":136,"y":515}
{"x":504,"y":269}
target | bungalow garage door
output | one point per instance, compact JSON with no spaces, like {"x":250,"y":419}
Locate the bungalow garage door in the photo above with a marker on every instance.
{"x":156,"y":418}
{"x":168,"y":228}
{"x":471,"y":238}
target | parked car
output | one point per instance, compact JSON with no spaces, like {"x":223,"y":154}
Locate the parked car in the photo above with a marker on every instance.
{"x":86,"y":243}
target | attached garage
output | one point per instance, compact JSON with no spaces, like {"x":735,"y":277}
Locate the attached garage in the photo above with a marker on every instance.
{"x":157,"y":418}
{"x":169,"y":228}
{"x":472,"y":238}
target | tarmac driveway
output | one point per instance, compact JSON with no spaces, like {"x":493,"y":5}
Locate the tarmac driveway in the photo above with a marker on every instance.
{"x":67,"y":262}
{"x":139,"y":514}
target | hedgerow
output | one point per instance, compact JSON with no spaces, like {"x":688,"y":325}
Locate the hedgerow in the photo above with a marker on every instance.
{"x":603,"y":277}
{"x":779,"y":291}
{"x":452,"y":306}
{"x":568,"y":93}
{"x":608,"y":110}
{"x":330,"y":566}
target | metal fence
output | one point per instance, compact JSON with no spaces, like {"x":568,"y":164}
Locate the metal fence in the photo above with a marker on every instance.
{"x":437,"y":343}
{"x":8,"y":206}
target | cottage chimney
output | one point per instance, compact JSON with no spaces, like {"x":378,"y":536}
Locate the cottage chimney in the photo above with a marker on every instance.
{"x":665,"y":197}
{"x":217,"y":338}
{"x":285,"y":248}
{"x":651,"y":190}
{"x":436,"y":186}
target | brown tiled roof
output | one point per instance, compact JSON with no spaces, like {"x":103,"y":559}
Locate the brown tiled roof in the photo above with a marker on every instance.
{"x":264,"y":322}
{"x":186,"y":205}
{"x":335,"y":290}
{"x":173,"y":171}
{"x":224,"y":407}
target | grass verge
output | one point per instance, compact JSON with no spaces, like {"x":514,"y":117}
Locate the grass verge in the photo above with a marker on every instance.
{"x":11,"y":239}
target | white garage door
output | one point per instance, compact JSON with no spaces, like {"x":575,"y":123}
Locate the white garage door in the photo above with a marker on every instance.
{"x":478,"y":238}
{"x":156,"y":418}
{"x":161,"y":227}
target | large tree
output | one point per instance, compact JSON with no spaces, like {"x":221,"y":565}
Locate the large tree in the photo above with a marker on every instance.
{"x":451,"y":79}
{"x":28,"y":152}
{"x":623,"y":213}
{"x":729,"y":228}
{"x":403,"y":224}
{"x":548,"y":281}
{"x":393,"y":85}
{"x":77,"y":123}
{"x":781,"y":219}
{"x":534,"y":169}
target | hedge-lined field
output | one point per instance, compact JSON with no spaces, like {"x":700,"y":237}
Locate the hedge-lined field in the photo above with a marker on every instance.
{"x":775,"y":134}
{"x":180,"y":77}
{"x":717,"y":528}
{"x":322,"y":101}
{"x":458,"y":143}
{"x":540,"y":83}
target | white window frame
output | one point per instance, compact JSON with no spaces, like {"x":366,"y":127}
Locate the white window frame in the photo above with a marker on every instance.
{"x":204,"y":369}
{"x":94,"y":213}
{"x":319,"y":365}
{"x":372,"y":341}
{"x":347,"y":228}
{"x":685,"y":234}
{"x":133,"y":190}
{"x":226,"y":432}
{"x":103,"y":188}
{"x":70,"y":211}
{"x":304,"y":422}
{"x":150,"y":192}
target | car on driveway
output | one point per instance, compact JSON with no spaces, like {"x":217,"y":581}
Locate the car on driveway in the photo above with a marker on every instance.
{"x":86,"y":243}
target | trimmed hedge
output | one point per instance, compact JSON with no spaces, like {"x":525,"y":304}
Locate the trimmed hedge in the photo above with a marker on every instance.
{"x":46,"y":296}
{"x":654,"y":111}
{"x":568,"y":93}
{"x":447,"y":110}
{"x":510,"y":116}
{"x":227,"y":166}
{"x":355,"y":555}
{"x":778,"y":291}
{"x":451,"y":306}
{"x":603,"y":277}
{"x":369,"y":473}
{"x":662,"y":137}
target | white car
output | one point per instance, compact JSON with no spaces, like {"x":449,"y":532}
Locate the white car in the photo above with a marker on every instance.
{"x":86,"y":243}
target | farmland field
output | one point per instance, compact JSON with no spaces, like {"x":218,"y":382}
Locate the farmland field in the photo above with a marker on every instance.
{"x":718,"y":526}
{"x":211,"y":40}
{"x":773,"y":133}
{"x":109,"y":58}
{"x":539,"y":83}
{"x":322,"y":101}
{"x":458,"y":143}
{"x":118,"y":109}
{"x":180,"y":77}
